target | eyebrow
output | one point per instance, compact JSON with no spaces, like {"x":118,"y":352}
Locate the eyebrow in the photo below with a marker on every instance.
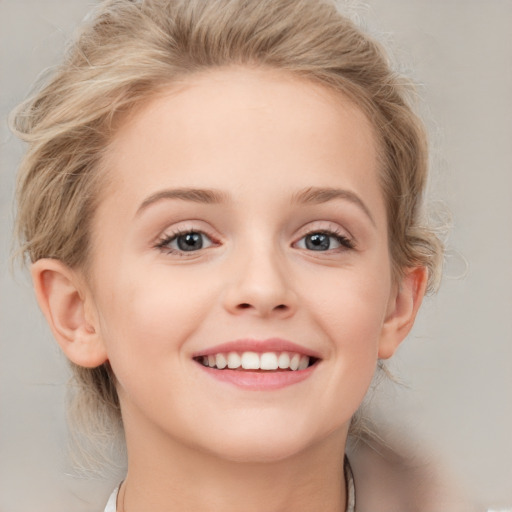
{"x":319,"y":195}
{"x":310,"y":195}
{"x":195,"y":195}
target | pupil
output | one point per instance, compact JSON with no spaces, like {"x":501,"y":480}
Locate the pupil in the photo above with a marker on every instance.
{"x":317,"y":242}
{"x":190,"y":242}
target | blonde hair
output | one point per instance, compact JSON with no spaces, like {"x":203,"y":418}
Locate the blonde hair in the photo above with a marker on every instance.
{"x":128,"y":51}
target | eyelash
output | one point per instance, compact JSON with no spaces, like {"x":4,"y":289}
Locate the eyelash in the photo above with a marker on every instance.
{"x":163,"y":244}
{"x":345,"y":242}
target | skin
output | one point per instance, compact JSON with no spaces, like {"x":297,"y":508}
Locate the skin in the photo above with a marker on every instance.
{"x":261,"y":140}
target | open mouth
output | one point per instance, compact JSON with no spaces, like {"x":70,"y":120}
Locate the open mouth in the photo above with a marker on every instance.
{"x":254,"y":361}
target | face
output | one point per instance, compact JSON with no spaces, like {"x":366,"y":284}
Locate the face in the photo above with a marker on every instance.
{"x":242,"y":224}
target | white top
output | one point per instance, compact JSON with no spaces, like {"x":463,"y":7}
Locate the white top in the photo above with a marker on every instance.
{"x":351,"y":495}
{"x":112,"y":501}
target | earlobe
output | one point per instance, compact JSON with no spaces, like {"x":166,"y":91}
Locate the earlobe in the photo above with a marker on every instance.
{"x":403,"y":307}
{"x":63,"y":301}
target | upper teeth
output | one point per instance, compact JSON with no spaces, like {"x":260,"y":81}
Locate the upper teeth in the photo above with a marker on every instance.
{"x":257,"y":361}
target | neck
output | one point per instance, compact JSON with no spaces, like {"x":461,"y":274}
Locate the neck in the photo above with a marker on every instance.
{"x":168,"y":476}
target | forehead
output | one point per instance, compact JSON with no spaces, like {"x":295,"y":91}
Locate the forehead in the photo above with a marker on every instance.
{"x":245,"y":129}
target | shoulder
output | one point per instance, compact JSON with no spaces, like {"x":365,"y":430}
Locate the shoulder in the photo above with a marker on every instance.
{"x":388,"y":481}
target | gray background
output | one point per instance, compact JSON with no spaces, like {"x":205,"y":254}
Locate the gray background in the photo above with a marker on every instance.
{"x":457,"y":364}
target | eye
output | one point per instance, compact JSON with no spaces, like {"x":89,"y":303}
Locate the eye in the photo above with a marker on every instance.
{"x":188,"y":241}
{"x":324,"y":241}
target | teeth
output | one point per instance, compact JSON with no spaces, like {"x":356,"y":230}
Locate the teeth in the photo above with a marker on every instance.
{"x":220,"y":361}
{"x":304,"y":362}
{"x":250,"y":361}
{"x":284,"y":360}
{"x":234,"y":360}
{"x":268,"y":361}
{"x":257,"y":361}
{"x":294,"y":362}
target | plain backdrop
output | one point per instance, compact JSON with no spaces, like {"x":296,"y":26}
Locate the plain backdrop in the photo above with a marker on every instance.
{"x":457,"y":363}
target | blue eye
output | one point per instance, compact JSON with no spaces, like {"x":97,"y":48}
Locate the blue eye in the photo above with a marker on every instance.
{"x":324,"y":241}
{"x":189,"y":241}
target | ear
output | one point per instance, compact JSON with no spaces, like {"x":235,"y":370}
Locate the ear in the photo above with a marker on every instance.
{"x":402,"y":309}
{"x":66,"y":304}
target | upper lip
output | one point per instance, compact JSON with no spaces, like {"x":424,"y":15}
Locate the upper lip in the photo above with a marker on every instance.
{"x":259,"y":346}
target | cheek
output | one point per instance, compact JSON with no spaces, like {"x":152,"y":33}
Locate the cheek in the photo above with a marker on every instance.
{"x":144,"y":326}
{"x":351,"y":314}
{"x":351,"y":305}
{"x":145,"y":317}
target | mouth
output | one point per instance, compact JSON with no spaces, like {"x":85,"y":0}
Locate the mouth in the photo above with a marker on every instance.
{"x":258,"y":365}
{"x":262,"y":362}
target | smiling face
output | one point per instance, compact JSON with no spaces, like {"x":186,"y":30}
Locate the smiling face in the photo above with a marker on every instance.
{"x":243,"y":226}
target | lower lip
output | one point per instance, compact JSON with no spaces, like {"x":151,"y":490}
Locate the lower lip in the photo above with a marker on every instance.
{"x":260,"y":380}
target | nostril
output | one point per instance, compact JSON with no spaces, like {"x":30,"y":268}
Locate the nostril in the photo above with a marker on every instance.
{"x":245,"y":305}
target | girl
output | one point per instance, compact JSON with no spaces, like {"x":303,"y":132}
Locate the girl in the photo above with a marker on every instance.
{"x":221,"y":202}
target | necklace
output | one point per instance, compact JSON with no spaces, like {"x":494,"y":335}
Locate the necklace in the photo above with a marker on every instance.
{"x":350,"y":486}
{"x":349,"y":483}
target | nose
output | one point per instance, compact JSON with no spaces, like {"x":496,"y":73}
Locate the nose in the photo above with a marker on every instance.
{"x":260,"y":284}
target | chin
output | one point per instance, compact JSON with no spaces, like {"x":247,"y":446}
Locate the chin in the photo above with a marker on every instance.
{"x":258,"y":454}
{"x":264,"y":445}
